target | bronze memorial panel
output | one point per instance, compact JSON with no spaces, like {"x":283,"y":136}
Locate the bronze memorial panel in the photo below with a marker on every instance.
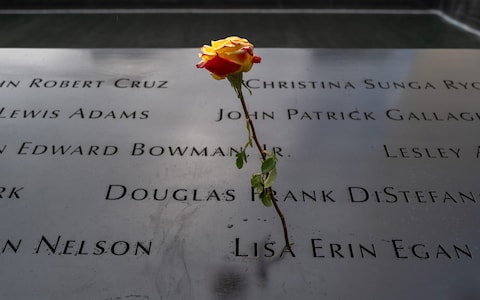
{"x":118,"y":177}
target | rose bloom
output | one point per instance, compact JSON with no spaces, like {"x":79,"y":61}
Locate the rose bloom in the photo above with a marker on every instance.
{"x":228,"y":56}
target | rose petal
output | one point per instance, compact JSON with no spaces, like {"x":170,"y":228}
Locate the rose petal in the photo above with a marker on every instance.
{"x":219,"y":66}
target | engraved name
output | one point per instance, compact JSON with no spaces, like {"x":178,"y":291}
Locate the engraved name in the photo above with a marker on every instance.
{"x":320,"y":248}
{"x":55,"y":83}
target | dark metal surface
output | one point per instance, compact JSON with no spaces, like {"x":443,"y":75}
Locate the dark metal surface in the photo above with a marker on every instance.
{"x":404,"y":4}
{"x":378,"y":176}
{"x":284,"y":30}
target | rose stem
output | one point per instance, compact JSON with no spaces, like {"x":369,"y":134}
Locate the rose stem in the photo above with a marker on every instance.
{"x":270,"y":191}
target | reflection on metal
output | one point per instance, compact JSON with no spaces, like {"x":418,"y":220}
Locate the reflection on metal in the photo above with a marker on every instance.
{"x":119,"y":180}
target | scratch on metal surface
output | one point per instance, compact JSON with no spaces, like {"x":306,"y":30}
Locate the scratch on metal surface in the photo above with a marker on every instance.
{"x":129,"y":297}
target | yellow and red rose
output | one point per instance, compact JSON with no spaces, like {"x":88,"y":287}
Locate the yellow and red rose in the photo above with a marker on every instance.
{"x":228,"y":56}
